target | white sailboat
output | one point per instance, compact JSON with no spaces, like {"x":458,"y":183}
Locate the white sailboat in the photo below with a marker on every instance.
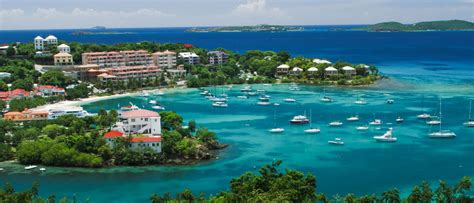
{"x":336,"y":141}
{"x":289,"y":100}
{"x":325,"y":98}
{"x":220,"y":104}
{"x":311,"y":130}
{"x":362,"y":128}
{"x":335,"y":123}
{"x":387,"y":137}
{"x":442,"y":133}
{"x":360,"y":101}
{"x":275,"y":129}
{"x":353,"y":118}
{"x":399,"y":120}
{"x":423,"y":115}
{"x":470,"y":122}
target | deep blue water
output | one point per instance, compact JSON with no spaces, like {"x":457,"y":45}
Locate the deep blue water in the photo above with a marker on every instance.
{"x":435,"y":64}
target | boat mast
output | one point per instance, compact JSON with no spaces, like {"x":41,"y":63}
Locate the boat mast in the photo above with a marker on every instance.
{"x":310,"y":118}
{"x":422,"y":103}
{"x":470,"y":109}
{"x":440,"y":122}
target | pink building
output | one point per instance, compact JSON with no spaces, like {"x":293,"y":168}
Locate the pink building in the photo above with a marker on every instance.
{"x":127,"y":72}
{"x":117,"y":59}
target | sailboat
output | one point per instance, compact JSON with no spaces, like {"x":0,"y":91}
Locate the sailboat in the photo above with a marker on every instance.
{"x":275,"y":129}
{"x":325,"y":98}
{"x":442,"y":133}
{"x":353,"y":118}
{"x":360,"y":101}
{"x":311,"y":130}
{"x":387,"y":137}
{"x":470,"y":123}
{"x":423,"y":115}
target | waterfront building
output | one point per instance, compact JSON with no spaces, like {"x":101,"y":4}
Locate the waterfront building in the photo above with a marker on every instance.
{"x":117,"y":59}
{"x":330,"y":71}
{"x":283,"y":69}
{"x":26,"y":115}
{"x":126,"y":73}
{"x":42,"y":44}
{"x":296,"y":71}
{"x":189,"y":57}
{"x":63,"y":59}
{"x":153,"y":143}
{"x":63,"y":48}
{"x":49,"y":90}
{"x":178,"y":72}
{"x":349,"y":70}
{"x":75,"y":111}
{"x":14,"y":94}
{"x":217,"y":57}
{"x":312,"y":70}
{"x":139,"y":121}
{"x":165,"y":59}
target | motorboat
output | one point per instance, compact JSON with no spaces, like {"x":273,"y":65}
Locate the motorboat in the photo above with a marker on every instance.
{"x":152,"y":102}
{"x":390,"y":101}
{"x":434,"y":122}
{"x":376,"y":122}
{"x":264,"y":98}
{"x":362,"y":128}
{"x":158,"y":107}
{"x":289,"y":100}
{"x":42,"y":169}
{"x":360,"y":102}
{"x":299,"y":119}
{"x":399,"y":120}
{"x":263,"y":103}
{"x":220,"y":104}
{"x":311,"y":130}
{"x":441,"y":133}
{"x":276,"y":130}
{"x":387,"y":137}
{"x":335,"y":123}
{"x":336,"y":141}
{"x":30,"y":167}
{"x":326,"y":99}
{"x":276,"y":104}
{"x":353,"y":118}
{"x":242,"y":97}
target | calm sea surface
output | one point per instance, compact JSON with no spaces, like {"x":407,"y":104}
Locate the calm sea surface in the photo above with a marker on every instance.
{"x":434,"y":64}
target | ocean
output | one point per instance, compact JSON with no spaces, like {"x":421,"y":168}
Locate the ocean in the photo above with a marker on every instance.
{"x":434,"y":64}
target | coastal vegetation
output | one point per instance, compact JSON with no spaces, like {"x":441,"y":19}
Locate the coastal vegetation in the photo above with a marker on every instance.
{"x":77,"y":142}
{"x":448,"y":25}
{"x":272,"y":185}
{"x":254,"y":28}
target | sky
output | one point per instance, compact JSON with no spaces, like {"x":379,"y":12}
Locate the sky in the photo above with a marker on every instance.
{"x":60,"y":14}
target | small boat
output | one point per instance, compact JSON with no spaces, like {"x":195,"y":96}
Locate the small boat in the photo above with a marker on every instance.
{"x":387,"y":137}
{"x":152,"y":102}
{"x":470,"y":122}
{"x":217,"y":99}
{"x":264,"y":99}
{"x":269,"y":85}
{"x":276,"y":130}
{"x":223,"y":95}
{"x":311,"y":130}
{"x":43,"y":169}
{"x":289,"y":100}
{"x":263,"y":103}
{"x":261,"y":90}
{"x":441,"y":133}
{"x":326,"y":99}
{"x":158,"y":107}
{"x":353,"y":118}
{"x":335,"y":123}
{"x":376,"y":122}
{"x":246,"y":89}
{"x":276,"y":104}
{"x":220,"y":104}
{"x":360,"y":102}
{"x":205,"y":92}
{"x":362,"y":128}
{"x":242,"y":97}
{"x":399,"y":120}
{"x":423,"y":115}
{"x":294,"y":88}
{"x":252,"y":93}
{"x":390,"y":101}
{"x":299,"y":119}
{"x":433,"y":122}
{"x":336,"y":141}
{"x":30,"y":167}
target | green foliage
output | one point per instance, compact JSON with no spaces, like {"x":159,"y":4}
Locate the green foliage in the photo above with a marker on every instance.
{"x":5,"y":152}
{"x":55,"y":77}
{"x":26,"y":103}
{"x":170,"y":120}
{"x":79,"y":91}
{"x":422,"y":26}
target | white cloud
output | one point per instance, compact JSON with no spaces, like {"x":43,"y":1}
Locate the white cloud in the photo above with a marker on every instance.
{"x":12,"y":12}
{"x":257,"y":11}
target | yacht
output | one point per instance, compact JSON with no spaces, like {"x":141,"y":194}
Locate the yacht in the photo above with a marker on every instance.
{"x":220,"y":104}
{"x":311,"y":130}
{"x":30,"y":167}
{"x":158,"y":107}
{"x":442,"y":133}
{"x":387,"y":137}
{"x":376,"y":122}
{"x":263,"y":103}
{"x":326,"y":99}
{"x":362,"y":128}
{"x":335,"y":123}
{"x":299,"y":119}
{"x":353,"y":118}
{"x":242,"y":97}
{"x":470,"y":122}
{"x":289,"y":100}
{"x":399,"y":120}
{"x":152,"y":102}
{"x":423,"y":115}
{"x":434,"y":121}
{"x":262,"y":98}
{"x":390,"y":101}
{"x":336,"y":141}
{"x":75,"y":111}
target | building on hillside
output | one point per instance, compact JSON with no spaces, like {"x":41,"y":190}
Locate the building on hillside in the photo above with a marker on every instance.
{"x":330,"y":71}
{"x":177,"y":73}
{"x":14,"y":94}
{"x":26,"y":115}
{"x":117,"y":59}
{"x":282,"y":69}
{"x":49,"y":90}
{"x":135,"y":143}
{"x":165,"y":59}
{"x":127,"y":72}
{"x":63,"y":59}
{"x":312,"y":70}
{"x":350,"y":71}
{"x":5,"y":75}
{"x":217,"y":57}
{"x":141,"y":121}
{"x":42,"y":44}
{"x":62,"y":111}
{"x":296,"y":71}
{"x":63,"y":48}
{"x":189,"y":57}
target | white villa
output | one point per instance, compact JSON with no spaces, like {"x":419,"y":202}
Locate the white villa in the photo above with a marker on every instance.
{"x":349,"y":70}
{"x":330,"y":71}
{"x":296,"y":71}
{"x":41,"y":44}
{"x":63,"y":59}
{"x":189,"y":57}
{"x":312,"y":70}
{"x":63,"y":48}
{"x":283,"y":69}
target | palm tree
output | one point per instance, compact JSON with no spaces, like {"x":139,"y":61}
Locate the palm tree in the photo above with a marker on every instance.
{"x":426,"y":193}
{"x":415,"y":196}
{"x":350,"y":198}
{"x":391,"y":196}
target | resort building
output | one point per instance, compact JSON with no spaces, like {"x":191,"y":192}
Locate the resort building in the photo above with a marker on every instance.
{"x":330,"y":71}
{"x":296,"y":71}
{"x":5,"y":75}
{"x":75,"y":111}
{"x":165,"y":59}
{"x":117,"y":59}
{"x":140,"y":121}
{"x":349,"y":70}
{"x":63,"y":48}
{"x":14,"y":94}
{"x":126,"y":73}
{"x":26,"y":115}
{"x":177,"y":73}
{"x":189,"y":57}
{"x":153,"y":143}
{"x":63,"y":59}
{"x":42,"y":44}
{"x":282,"y":69}
{"x":217,"y":57}
{"x":312,"y":70}
{"x":49,"y":90}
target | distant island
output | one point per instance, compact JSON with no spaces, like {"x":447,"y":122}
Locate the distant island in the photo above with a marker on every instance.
{"x":448,"y":25}
{"x":254,"y":28}
{"x":101,"y":33}
{"x":99,"y":27}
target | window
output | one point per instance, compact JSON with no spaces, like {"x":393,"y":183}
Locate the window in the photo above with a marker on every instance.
{"x":146,"y":119}
{"x":133,"y":120}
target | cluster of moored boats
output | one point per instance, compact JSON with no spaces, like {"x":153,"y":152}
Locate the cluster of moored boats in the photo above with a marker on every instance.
{"x":29,"y":168}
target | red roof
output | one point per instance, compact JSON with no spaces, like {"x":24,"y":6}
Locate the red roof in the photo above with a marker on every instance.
{"x":141,"y":113}
{"x":113,"y":134}
{"x":146,"y":139}
{"x":188,"y":46}
{"x":19,"y":92}
{"x":50,"y":87}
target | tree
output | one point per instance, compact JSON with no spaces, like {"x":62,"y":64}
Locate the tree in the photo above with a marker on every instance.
{"x":52,"y":130}
{"x":6,"y":152}
{"x":192,"y":125}
{"x":462,"y":188}
{"x":426,"y":192}
{"x":54,"y":77}
{"x":3,"y":86}
{"x":170,"y":120}
{"x":10,"y":51}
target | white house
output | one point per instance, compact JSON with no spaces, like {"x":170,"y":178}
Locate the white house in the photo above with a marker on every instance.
{"x":153,"y":143}
{"x":63,"y":48}
{"x":139,"y":121}
{"x":283,"y":69}
{"x":330,"y":71}
{"x":349,"y":70}
{"x":296,"y":71}
{"x":312,"y":70}
{"x":41,"y":44}
{"x":189,"y":57}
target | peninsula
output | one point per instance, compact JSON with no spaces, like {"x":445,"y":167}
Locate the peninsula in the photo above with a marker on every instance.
{"x":449,"y":25}
{"x":254,"y":28}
